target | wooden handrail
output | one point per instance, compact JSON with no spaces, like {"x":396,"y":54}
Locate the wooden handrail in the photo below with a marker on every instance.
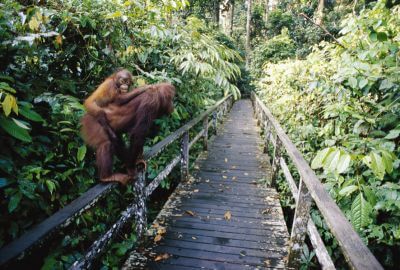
{"x":355,"y":251}
{"x":62,"y":218}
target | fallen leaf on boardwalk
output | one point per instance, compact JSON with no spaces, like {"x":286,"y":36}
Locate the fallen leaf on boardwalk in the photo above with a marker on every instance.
{"x":246,"y":173}
{"x":224,"y":176}
{"x":266,"y":211}
{"x":196,"y":190}
{"x":233,"y":167}
{"x":191,"y":213}
{"x":243,"y":253}
{"x":234,"y":178}
{"x":194,"y":238}
{"x":267,"y":262}
{"x":208,"y":180}
{"x":157,"y":238}
{"x":161,"y":230}
{"x":226,"y":160}
{"x":161,"y":257}
{"x":228,"y":215}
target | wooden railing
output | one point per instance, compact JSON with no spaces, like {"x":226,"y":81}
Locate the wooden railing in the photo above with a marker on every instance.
{"x":21,"y":249}
{"x":310,"y":189}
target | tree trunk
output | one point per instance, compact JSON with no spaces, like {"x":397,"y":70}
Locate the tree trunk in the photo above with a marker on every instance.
{"x":232,"y":14}
{"x":248,"y":28}
{"x":320,"y":12}
{"x":216,"y":12}
{"x":266,"y":10}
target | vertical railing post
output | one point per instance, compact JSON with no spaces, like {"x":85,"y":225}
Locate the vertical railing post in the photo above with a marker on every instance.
{"x":299,"y":227}
{"x":215,"y":119}
{"x":140,"y":201}
{"x":185,"y":157}
{"x":205,"y":134}
{"x":266,"y":135}
{"x":275,"y":160}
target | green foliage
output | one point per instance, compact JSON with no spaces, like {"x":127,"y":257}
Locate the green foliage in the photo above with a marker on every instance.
{"x":52,"y":55}
{"x":278,"y":48}
{"x":341,"y":107}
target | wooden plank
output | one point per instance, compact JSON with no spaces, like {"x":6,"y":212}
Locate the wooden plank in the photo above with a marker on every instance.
{"x":355,"y":251}
{"x":220,"y":257}
{"x":272,"y":244}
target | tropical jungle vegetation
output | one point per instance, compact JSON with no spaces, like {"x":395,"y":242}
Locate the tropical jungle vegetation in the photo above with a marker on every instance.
{"x":329,"y":70}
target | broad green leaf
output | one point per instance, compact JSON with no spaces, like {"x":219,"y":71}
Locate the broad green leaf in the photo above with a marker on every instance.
{"x":21,"y":124}
{"x":375,"y":163}
{"x":14,"y":202}
{"x":353,"y":82}
{"x":382,"y":36}
{"x":360,"y":211}
{"x":114,"y":15}
{"x":393,"y":134}
{"x":29,"y":114}
{"x":348,"y":190}
{"x":344,"y":162}
{"x":7,"y":104}
{"x":17,"y":132}
{"x":320,"y":157}
{"x":81,"y":153}
{"x":387,"y":160}
{"x":331,"y":161}
{"x":373,"y":36}
{"x":51,"y":186}
{"x":363,"y":82}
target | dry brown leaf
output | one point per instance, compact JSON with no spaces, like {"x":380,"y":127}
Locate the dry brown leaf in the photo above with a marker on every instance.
{"x":233,"y":167}
{"x":161,"y":230}
{"x":228,"y":215}
{"x":157,"y":238}
{"x":196,"y":190}
{"x":234,"y":178}
{"x":191,"y":213}
{"x":161,"y":257}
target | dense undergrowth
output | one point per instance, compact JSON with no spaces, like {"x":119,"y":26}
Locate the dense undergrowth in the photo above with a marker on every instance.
{"x":340,"y":105}
{"x":52,"y":55}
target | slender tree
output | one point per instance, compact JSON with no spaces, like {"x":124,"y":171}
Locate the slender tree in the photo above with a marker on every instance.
{"x":232,"y":14}
{"x":248,"y":28}
{"x":320,"y":12}
{"x":216,"y":11}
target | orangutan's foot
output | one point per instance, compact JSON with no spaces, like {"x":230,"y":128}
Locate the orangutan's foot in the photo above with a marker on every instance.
{"x":141,"y":164}
{"x":118,"y":177}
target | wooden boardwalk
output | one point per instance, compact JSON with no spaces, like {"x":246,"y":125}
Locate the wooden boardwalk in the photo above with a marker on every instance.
{"x":224,"y":217}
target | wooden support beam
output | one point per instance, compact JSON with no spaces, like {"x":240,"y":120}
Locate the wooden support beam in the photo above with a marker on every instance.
{"x":322,"y":253}
{"x":299,"y":227}
{"x":185,"y":157}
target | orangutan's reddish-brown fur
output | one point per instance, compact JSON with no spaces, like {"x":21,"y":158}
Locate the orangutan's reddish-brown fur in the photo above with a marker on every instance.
{"x":136,"y":117}
{"x":112,"y":90}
